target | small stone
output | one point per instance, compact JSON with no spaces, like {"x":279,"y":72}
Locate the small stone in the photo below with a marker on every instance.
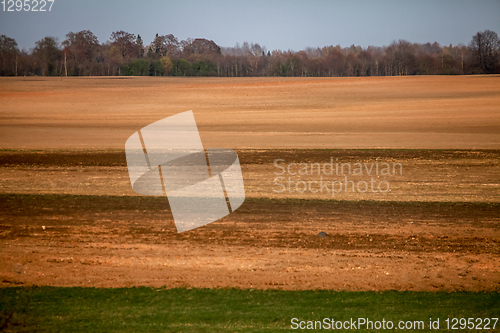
{"x":322,"y":234}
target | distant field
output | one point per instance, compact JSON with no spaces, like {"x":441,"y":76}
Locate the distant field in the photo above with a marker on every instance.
{"x":443,"y":112}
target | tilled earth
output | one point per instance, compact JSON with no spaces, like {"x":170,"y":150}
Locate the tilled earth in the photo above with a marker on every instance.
{"x":71,"y":219}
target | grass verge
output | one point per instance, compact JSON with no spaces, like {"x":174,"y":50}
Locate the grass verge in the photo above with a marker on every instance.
{"x":51,"y":309}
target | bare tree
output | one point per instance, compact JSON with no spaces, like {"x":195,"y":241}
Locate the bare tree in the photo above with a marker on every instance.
{"x":9,"y":55}
{"x":47,"y":56}
{"x":83,"y":48}
{"x":485,"y":51}
{"x":126,"y":44}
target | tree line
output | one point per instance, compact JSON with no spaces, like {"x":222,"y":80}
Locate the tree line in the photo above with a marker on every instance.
{"x":81,"y":54}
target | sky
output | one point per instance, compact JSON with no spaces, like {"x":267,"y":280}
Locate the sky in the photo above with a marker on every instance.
{"x":276,"y":24}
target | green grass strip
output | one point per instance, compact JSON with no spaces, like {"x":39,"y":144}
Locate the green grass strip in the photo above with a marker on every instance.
{"x":52,"y":309}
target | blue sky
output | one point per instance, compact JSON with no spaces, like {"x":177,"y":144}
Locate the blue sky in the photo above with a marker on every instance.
{"x":277,"y":24}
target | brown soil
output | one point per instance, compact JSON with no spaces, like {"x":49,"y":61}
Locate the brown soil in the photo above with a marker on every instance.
{"x":427,"y":175}
{"x":70,"y":218}
{"x":58,"y":236}
{"x":458,"y":112}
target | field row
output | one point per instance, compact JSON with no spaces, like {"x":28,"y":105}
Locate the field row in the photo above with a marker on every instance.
{"x":380,"y":175}
{"x":106,"y":241}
